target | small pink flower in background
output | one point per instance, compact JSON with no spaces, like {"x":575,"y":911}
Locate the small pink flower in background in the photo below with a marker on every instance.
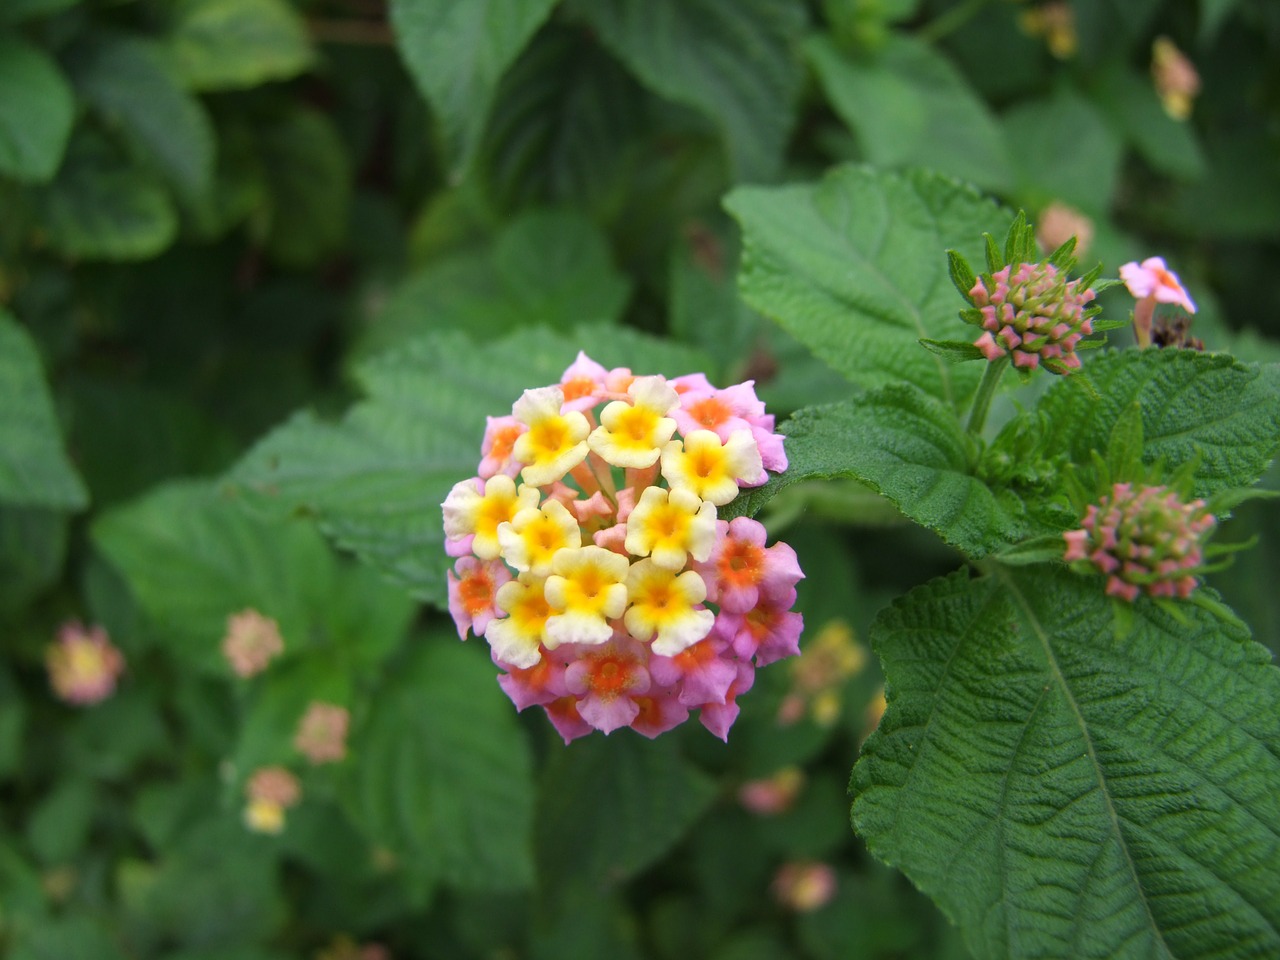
{"x":1176,"y":80}
{"x":1151,"y":282}
{"x":270,"y":792}
{"x":804,"y":885}
{"x":344,"y":947}
{"x":322,"y":732}
{"x":1145,"y":539}
{"x":590,"y":556}
{"x":83,"y":665}
{"x":1058,"y":223}
{"x":1055,"y":21}
{"x":251,"y":643}
{"x":773,"y":795}
{"x":818,"y":677}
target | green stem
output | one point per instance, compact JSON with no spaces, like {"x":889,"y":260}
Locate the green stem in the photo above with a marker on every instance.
{"x":986,"y":390}
{"x":952,"y":20}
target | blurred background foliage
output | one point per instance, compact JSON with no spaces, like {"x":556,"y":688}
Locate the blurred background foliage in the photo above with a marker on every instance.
{"x":213,"y":212}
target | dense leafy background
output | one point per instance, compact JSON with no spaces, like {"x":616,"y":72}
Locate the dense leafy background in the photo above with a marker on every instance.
{"x":266,"y":265}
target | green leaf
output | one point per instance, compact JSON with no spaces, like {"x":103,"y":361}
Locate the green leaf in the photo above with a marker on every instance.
{"x":856,"y":268}
{"x":1063,"y":150}
{"x":132,"y":86}
{"x":953,"y":351}
{"x":375,"y":481}
{"x":59,"y":825}
{"x":34,"y":469}
{"x":234,"y":44}
{"x":33,"y":547}
{"x":910,"y":448}
{"x":103,"y":207}
{"x":909,"y":106}
{"x":192,"y":557}
{"x":608,"y":808}
{"x":457,"y":51}
{"x":1196,"y":407}
{"x":36,"y":111}
{"x":565,"y":124}
{"x":308,"y":182}
{"x":15,"y":11}
{"x":445,"y":776}
{"x":734,"y":64}
{"x":550,"y":268}
{"x":1060,"y":792}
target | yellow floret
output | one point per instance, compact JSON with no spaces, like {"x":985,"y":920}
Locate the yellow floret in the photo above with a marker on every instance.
{"x":670,"y":526}
{"x":467,"y":511}
{"x":555,"y":443}
{"x":531,"y":539}
{"x":632,"y":434}
{"x":515,"y":638}
{"x":709,"y":469}
{"x":663,"y":603}
{"x":585,"y":591}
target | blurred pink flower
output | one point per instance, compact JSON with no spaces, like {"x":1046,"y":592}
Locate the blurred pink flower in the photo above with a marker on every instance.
{"x":804,"y":886}
{"x":83,"y":665}
{"x":252,"y":642}
{"x":322,"y":732}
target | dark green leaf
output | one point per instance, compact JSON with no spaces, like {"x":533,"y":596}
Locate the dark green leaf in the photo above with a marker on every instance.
{"x":1061,"y":792}
{"x":457,"y":51}
{"x":131,"y":85}
{"x":1196,"y":407}
{"x":233,"y":44}
{"x":909,"y":107}
{"x":308,"y":179}
{"x":36,"y":111}
{"x":33,"y":546}
{"x":734,"y":64}
{"x":376,"y":480}
{"x":14,"y":11}
{"x":856,"y":268}
{"x":445,"y":776}
{"x":103,"y":207}
{"x":909,"y":447}
{"x":34,"y":469}
{"x":610,"y":807}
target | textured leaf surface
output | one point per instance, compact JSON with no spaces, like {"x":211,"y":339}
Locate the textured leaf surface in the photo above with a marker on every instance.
{"x":1207,"y":408}
{"x":446,"y":777}
{"x":36,"y":110}
{"x":609,"y":808}
{"x":734,"y":63}
{"x":375,"y":481}
{"x":131,"y":86}
{"x":34,"y":469}
{"x":855,"y":268}
{"x":457,"y":51}
{"x":550,"y":269}
{"x":233,"y":44}
{"x":909,"y":447}
{"x":910,"y":107}
{"x":1061,"y":792}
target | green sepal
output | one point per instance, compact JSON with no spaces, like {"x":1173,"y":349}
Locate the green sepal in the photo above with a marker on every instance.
{"x":1103,"y":325}
{"x":995,"y":260}
{"x":1036,"y":550}
{"x":1020,"y":242}
{"x":972,"y":315}
{"x":1100,"y":285}
{"x":1063,"y":258}
{"x":962,"y":274}
{"x":953,"y":351}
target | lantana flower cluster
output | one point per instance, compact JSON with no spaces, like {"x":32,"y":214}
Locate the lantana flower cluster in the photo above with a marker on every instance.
{"x":1032,"y":312}
{"x":591,"y":558}
{"x":1145,"y":538}
{"x":83,"y":664}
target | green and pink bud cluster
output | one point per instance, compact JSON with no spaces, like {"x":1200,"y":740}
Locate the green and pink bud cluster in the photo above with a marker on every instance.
{"x":1031,"y":312}
{"x":590,"y":556}
{"x":1145,"y":538}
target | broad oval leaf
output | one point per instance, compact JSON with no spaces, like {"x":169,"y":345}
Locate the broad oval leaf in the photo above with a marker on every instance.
{"x":734,"y":63}
{"x":910,"y":107}
{"x":1062,"y":792}
{"x":855,"y":267}
{"x":37,"y":108}
{"x":1196,"y":407}
{"x":234,"y":44}
{"x":445,"y":775}
{"x":457,"y":51}
{"x":34,"y":468}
